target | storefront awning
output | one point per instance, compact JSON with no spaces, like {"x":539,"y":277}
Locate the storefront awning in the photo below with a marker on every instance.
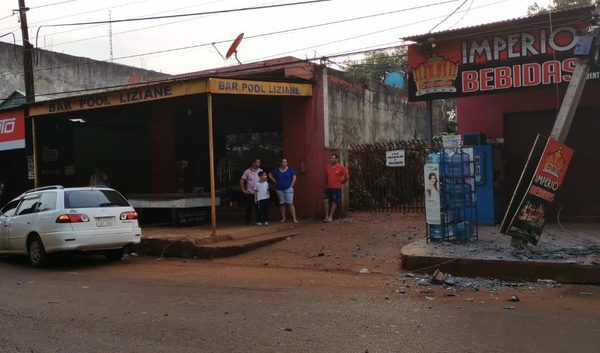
{"x":166,"y":90}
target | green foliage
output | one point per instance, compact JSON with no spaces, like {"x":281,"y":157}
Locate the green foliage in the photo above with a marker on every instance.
{"x":556,"y":5}
{"x":377,"y":64}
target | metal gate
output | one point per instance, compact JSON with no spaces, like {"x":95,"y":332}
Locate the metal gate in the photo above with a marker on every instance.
{"x":379,"y":188}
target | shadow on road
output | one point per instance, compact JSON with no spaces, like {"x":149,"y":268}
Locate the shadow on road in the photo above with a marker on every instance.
{"x":64,"y":262}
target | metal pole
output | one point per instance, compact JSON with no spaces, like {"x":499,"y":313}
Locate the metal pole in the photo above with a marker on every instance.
{"x":211,"y":154}
{"x":570,"y":101}
{"x":36,"y":175}
{"x":429,"y":123}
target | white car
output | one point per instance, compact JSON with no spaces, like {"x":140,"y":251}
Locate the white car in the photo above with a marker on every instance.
{"x":56,"y":219}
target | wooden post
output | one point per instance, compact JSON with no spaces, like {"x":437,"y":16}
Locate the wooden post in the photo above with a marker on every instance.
{"x":211,"y":154}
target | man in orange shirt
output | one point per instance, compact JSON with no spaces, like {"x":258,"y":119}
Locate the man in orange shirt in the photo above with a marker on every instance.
{"x":335,"y":175}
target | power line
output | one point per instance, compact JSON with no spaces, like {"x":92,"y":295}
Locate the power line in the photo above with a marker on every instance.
{"x":188,"y":14}
{"x":288,"y":30}
{"x":258,"y":36}
{"x":447,"y":17}
{"x":154,"y":13}
{"x":56,"y":3}
{"x":464,"y":14}
{"x":292,"y":29}
{"x":371,"y":33}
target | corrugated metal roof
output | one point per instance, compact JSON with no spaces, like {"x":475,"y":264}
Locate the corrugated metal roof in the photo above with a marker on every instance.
{"x":501,"y":25}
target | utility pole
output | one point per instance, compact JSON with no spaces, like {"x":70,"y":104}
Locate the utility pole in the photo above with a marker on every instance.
{"x":27,"y":54}
{"x":29,"y":85}
{"x":570,"y":102}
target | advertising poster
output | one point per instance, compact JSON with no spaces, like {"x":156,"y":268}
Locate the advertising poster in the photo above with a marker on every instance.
{"x":432,"y":193}
{"x":530,"y":217}
{"x":516,"y":60}
{"x":12,"y":130}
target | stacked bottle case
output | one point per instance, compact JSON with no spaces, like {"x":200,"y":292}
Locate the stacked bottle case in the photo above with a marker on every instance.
{"x":457,"y":200}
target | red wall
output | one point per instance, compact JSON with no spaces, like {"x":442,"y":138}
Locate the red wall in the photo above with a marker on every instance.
{"x":485,"y":113}
{"x":162,"y":151}
{"x":304,"y":147}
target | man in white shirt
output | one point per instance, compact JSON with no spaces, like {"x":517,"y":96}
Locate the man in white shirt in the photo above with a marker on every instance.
{"x":247,"y":185}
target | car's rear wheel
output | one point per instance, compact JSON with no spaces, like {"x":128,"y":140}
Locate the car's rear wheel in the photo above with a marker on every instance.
{"x":115,"y":254}
{"x":36,"y":252}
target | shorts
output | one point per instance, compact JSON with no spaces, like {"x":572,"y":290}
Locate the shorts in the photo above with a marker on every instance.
{"x":286,"y":196}
{"x":334,"y":195}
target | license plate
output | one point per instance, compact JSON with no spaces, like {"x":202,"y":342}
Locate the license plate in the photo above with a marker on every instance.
{"x":105,"y":222}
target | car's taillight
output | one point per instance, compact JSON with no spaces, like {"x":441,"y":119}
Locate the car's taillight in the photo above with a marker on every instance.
{"x":72,"y":218}
{"x":127,"y":216}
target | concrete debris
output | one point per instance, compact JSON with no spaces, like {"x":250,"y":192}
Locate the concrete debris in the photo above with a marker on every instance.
{"x":430,"y":298}
{"x":514,"y":298}
{"x":509,"y":307}
{"x":364,"y":271}
{"x":550,"y":283}
{"x":438,"y":277}
{"x":422,"y":282}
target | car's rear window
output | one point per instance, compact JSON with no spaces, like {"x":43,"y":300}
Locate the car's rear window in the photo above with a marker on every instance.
{"x":94,"y":198}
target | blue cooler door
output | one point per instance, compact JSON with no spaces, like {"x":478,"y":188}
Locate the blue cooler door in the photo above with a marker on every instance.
{"x":484,"y":181}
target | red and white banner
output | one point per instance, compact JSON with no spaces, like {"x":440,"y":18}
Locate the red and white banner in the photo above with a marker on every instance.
{"x":12,"y":130}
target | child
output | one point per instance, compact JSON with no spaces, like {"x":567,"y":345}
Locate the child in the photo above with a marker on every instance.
{"x":261,"y":198}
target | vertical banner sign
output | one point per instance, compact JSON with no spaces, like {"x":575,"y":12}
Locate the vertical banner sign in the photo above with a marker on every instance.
{"x":432,"y":193}
{"x":12,"y":130}
{"x":529,"y":219}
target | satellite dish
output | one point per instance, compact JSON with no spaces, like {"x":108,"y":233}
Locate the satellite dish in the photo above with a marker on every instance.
{"x":233,"y":48}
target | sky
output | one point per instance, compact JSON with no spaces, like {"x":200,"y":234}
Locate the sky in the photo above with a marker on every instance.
{"x":180,"y":45}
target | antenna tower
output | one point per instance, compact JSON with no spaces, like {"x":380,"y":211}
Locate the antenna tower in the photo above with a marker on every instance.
{"x":110,"y":35}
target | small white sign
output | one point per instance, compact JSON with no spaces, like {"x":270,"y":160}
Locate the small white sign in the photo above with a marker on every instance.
{"x":394,"y":158}
{"x":452,"y":141}
{"x":30,"y":171}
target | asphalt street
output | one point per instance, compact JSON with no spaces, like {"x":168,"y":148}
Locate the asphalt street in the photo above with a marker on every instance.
{"x":141,"y":304}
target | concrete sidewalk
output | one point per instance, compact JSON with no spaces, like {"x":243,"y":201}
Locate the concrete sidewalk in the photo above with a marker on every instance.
{"x":568,"y":253}
{"x":198,"y":242}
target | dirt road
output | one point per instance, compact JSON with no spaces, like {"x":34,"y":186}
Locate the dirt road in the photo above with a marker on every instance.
{"x":144,"y":305}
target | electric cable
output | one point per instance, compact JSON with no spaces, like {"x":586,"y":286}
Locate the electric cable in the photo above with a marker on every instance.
{"x":250,"y":8}
{"x":296,"y":28}
{"x":143,"y":28}
{"x":463,"y":16}
{"x":367,"y":34}
{"x":56,"y":3}
{"x":228,"y":40}
{"x":447,"y":17}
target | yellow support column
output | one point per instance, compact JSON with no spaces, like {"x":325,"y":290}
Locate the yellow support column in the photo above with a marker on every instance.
{"x":211,"y":154}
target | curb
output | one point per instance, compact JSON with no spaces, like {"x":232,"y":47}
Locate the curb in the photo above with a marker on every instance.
{"x":221,"y":247}
{"x":502,"y":269}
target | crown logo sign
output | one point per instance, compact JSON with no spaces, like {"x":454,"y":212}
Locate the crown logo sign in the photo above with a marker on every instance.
{"x":555,"y":163}
{"x":435,"y":75}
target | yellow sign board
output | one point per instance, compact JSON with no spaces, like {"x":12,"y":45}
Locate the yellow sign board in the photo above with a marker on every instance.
{"x":261,"y":88}
{"x":159,"y":91}
{"x":110,"y":99}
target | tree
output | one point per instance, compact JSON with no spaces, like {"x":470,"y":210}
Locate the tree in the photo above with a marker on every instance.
{"x":556,"y":5}
{"x":377,"y":64}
